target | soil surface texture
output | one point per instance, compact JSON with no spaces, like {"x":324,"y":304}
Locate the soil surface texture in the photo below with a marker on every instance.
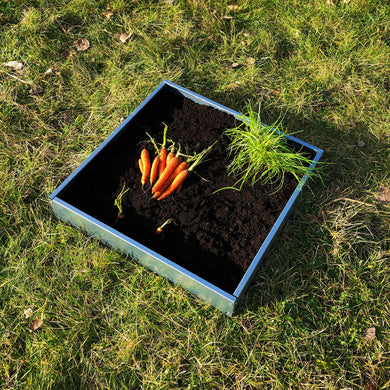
{"x":215,"y":235}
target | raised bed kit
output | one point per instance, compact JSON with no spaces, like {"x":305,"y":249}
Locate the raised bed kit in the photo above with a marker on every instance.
{"x":218,"y":239}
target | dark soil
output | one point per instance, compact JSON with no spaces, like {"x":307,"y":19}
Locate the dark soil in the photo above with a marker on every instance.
{"x":216,"y":235}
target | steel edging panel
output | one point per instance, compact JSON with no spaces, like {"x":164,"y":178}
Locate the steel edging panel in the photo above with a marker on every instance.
{"x":143,"y":255}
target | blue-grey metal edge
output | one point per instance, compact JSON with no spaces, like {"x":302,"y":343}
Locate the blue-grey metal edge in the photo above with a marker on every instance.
{"x":145,"y":256}
{"x":278,"y":226}
{"x":210,"y":293}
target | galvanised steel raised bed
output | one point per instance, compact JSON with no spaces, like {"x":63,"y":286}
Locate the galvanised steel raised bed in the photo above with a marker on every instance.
{"x":65,"y":209}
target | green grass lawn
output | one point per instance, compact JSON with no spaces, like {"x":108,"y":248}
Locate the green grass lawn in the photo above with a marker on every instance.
{"x":107,"y":323}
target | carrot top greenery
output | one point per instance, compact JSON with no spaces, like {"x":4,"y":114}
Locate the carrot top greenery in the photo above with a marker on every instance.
{"x":260,"y":152}
{"x":118,"y":201}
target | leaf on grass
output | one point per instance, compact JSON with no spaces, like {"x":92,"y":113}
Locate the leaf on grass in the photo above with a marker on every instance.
{"x":35,"y":324}
{"x":370,"y":333}
{"x":234,"y":65}
{"x":107,"y":14}
{"x":361,"y":143}
{"x":123,"y":37}
{"x":250,"y":61}
{"x":14,"y":65}
{"x":383,"y":194}
{"x":269,"y":92}
{"x":28,"y":313}
{"x":36,"y":90}
{"x":369,"y":386}
{"x":54,"y":70}
{"x":71,"y":55}
{"x":82,"y":44}
{"x":66,"y":117}
{"x":233,"y":7}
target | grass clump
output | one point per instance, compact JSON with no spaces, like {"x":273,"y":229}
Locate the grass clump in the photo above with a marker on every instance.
{"x":118,"y":201}
{"x":261,"y":152}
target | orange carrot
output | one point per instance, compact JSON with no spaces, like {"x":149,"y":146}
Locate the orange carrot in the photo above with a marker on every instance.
{"x":163,"y":161}
{"x":154,"y":170}
{"x":146,"y":166}
{"x":181,"y":167}
{"x":175,"y":184}
{"x":141,"y":168}
{"x":181,"y":176}
{"x":159,"y":230}
{"x":161,"y":190}
{"x":169,"y":156}
{"x":172,"y":164}
{"x":158,"y":193}
{"x":156,"y":162}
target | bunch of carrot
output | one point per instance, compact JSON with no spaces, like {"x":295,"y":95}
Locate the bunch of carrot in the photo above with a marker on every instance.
{"x":168,"y":171}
